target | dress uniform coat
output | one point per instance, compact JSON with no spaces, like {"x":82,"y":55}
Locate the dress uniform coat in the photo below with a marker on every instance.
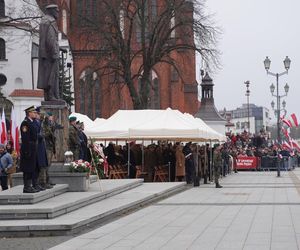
{"x":74,"y":142}
{"x":42,"y":160}
{"x":29,"y":146}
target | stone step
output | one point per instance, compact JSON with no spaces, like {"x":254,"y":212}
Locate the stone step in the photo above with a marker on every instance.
{"x":15,"y":195}
{"x":69,"y":201}
{"x":92,"y":214}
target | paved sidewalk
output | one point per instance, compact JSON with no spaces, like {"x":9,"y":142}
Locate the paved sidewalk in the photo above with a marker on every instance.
{"x":254,"y":210}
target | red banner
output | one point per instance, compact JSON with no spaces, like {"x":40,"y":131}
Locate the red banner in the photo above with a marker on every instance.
{"x":244,"y":162}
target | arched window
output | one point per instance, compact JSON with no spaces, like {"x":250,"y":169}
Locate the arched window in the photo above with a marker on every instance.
{"x":86,"y":12}
{"x":3,"y":79}
{"x":2,"y":49}
{"x":2,"y":8}
{"x":90,"y":94}
{"x":64,"y":22}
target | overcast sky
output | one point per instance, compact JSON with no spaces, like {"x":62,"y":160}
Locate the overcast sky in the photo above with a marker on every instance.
{"x":252,"y":30}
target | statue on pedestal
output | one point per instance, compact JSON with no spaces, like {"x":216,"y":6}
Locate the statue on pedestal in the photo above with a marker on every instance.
{"x":48,"y":73}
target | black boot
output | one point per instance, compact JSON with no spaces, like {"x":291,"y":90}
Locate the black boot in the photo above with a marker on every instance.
{"x":28,"y":188}
{"x":205,"y":179}
{"x":218,"y":185}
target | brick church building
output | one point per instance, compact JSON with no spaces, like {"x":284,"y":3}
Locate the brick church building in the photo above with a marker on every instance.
{"x":98,"y":95}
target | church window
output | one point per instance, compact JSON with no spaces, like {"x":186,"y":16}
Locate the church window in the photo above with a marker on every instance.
{"x":2,"y":8}
{"x":2,"y":49}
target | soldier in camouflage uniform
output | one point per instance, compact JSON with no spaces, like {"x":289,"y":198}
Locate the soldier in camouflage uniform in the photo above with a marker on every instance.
{"x":49,"y":133}
{"x":203,"y":163}
{"x":74,"y":140}
{"x":217,"y":157}
{"x":48,"y":130}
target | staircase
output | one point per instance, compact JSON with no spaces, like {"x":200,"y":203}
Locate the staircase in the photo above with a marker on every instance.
{"x":59,"y":212}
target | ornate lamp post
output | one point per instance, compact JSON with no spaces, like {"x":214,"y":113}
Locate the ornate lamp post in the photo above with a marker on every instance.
{"x":267,"y":64}
{"x":247,"y":83}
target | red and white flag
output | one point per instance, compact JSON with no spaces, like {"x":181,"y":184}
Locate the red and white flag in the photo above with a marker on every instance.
{"x":294,"y":120}
{"x":287,"y":122}
{"x":286,"y":133}
{"x":14,"y":131}
{"x":3,"y":128}
{"x":286,"y":146}
{"x":295,"y":145}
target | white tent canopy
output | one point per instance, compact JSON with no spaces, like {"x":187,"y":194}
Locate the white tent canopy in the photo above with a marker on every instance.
{"x":153,"y":124}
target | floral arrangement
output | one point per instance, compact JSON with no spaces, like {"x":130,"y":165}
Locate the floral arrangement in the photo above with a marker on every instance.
{"x":80,"y":166}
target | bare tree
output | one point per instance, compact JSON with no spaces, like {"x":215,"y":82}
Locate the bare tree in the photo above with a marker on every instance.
{"x":21,"y":14}
{"x":140,"y":31}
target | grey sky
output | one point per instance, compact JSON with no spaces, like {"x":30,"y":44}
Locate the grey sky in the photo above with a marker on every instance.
{"x":252,"y":30}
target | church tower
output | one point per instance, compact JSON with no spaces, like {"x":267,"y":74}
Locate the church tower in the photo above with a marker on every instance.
{"x":207,"y":111}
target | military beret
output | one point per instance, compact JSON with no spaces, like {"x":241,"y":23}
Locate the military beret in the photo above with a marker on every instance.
{"x":38,"y":109}
{"x":72,"y":118}
{"x":51,"y":6}
{"x":49,"y":114}
{"x":30,"y":109}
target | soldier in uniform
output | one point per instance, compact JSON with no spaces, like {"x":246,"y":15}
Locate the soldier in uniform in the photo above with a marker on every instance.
{"x":74,"y":140}
{"x":203,"y":163}
{"x":42,"y":162}
{"x":49,"y":127}
{"x":28,"y":151}
{"x":217,"y":158}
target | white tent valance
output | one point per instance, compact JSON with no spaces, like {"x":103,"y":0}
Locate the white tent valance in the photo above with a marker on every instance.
{"x":153,"y":124}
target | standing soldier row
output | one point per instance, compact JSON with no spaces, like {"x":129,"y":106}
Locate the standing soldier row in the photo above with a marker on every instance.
{"x":77,"y":141}
{"x":33,"y":155}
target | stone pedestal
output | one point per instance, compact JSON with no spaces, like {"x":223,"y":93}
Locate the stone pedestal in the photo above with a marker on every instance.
{"x":61,"y":114}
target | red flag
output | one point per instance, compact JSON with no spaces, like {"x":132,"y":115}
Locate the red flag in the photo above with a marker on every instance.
{"x":286,"y":133}
{"x":3,"y":129}
{"x":287,"y":122}
{"x":286,"y":146}
{"x":15,"y":131}
{"x":294,"y":120}
{"x":295,"y":145}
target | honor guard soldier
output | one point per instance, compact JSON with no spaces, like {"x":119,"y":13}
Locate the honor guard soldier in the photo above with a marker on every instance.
{"x":28,"y":157}
{"x":74,"y":142}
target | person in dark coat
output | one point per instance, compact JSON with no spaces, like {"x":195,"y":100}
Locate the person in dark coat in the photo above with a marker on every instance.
{"x":74,"y":140}
{"x":85,"y":153}
{"x":28,"y":152}
{"x":42,"y":159}
{"x":48,"y":74}
{"x":189,"y":163}
{"x":169,"y":158}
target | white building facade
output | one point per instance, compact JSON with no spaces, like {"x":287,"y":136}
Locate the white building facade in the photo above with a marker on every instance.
{"x":259,"y":119}
{"x":19,"y":54}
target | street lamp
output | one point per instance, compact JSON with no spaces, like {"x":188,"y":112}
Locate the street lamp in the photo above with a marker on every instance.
{"x":287,"y":64}
{"x":247,"y":83}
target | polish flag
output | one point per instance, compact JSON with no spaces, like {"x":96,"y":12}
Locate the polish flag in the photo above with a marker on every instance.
{"x":294,"y":120}
{"x":15,"y":131}
{"x":287,"y":122}
{"x":286,"y":146}
{"x":3,"y":129}
{"x":295,"y":145}
{"x":286,"y":133}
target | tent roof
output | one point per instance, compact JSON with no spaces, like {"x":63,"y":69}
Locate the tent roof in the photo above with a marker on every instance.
{"x":153,"y":124}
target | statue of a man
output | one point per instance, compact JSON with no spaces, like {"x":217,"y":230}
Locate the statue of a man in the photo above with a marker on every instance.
{"x":48,"y":74}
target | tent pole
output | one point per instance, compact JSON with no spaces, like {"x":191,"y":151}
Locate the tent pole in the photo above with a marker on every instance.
{"x":210,"y":161}
{"x":128,"y":160}
{"x":143,"y":159}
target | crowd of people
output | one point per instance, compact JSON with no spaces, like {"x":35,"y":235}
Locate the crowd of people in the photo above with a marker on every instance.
{"x":181,"y":161}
